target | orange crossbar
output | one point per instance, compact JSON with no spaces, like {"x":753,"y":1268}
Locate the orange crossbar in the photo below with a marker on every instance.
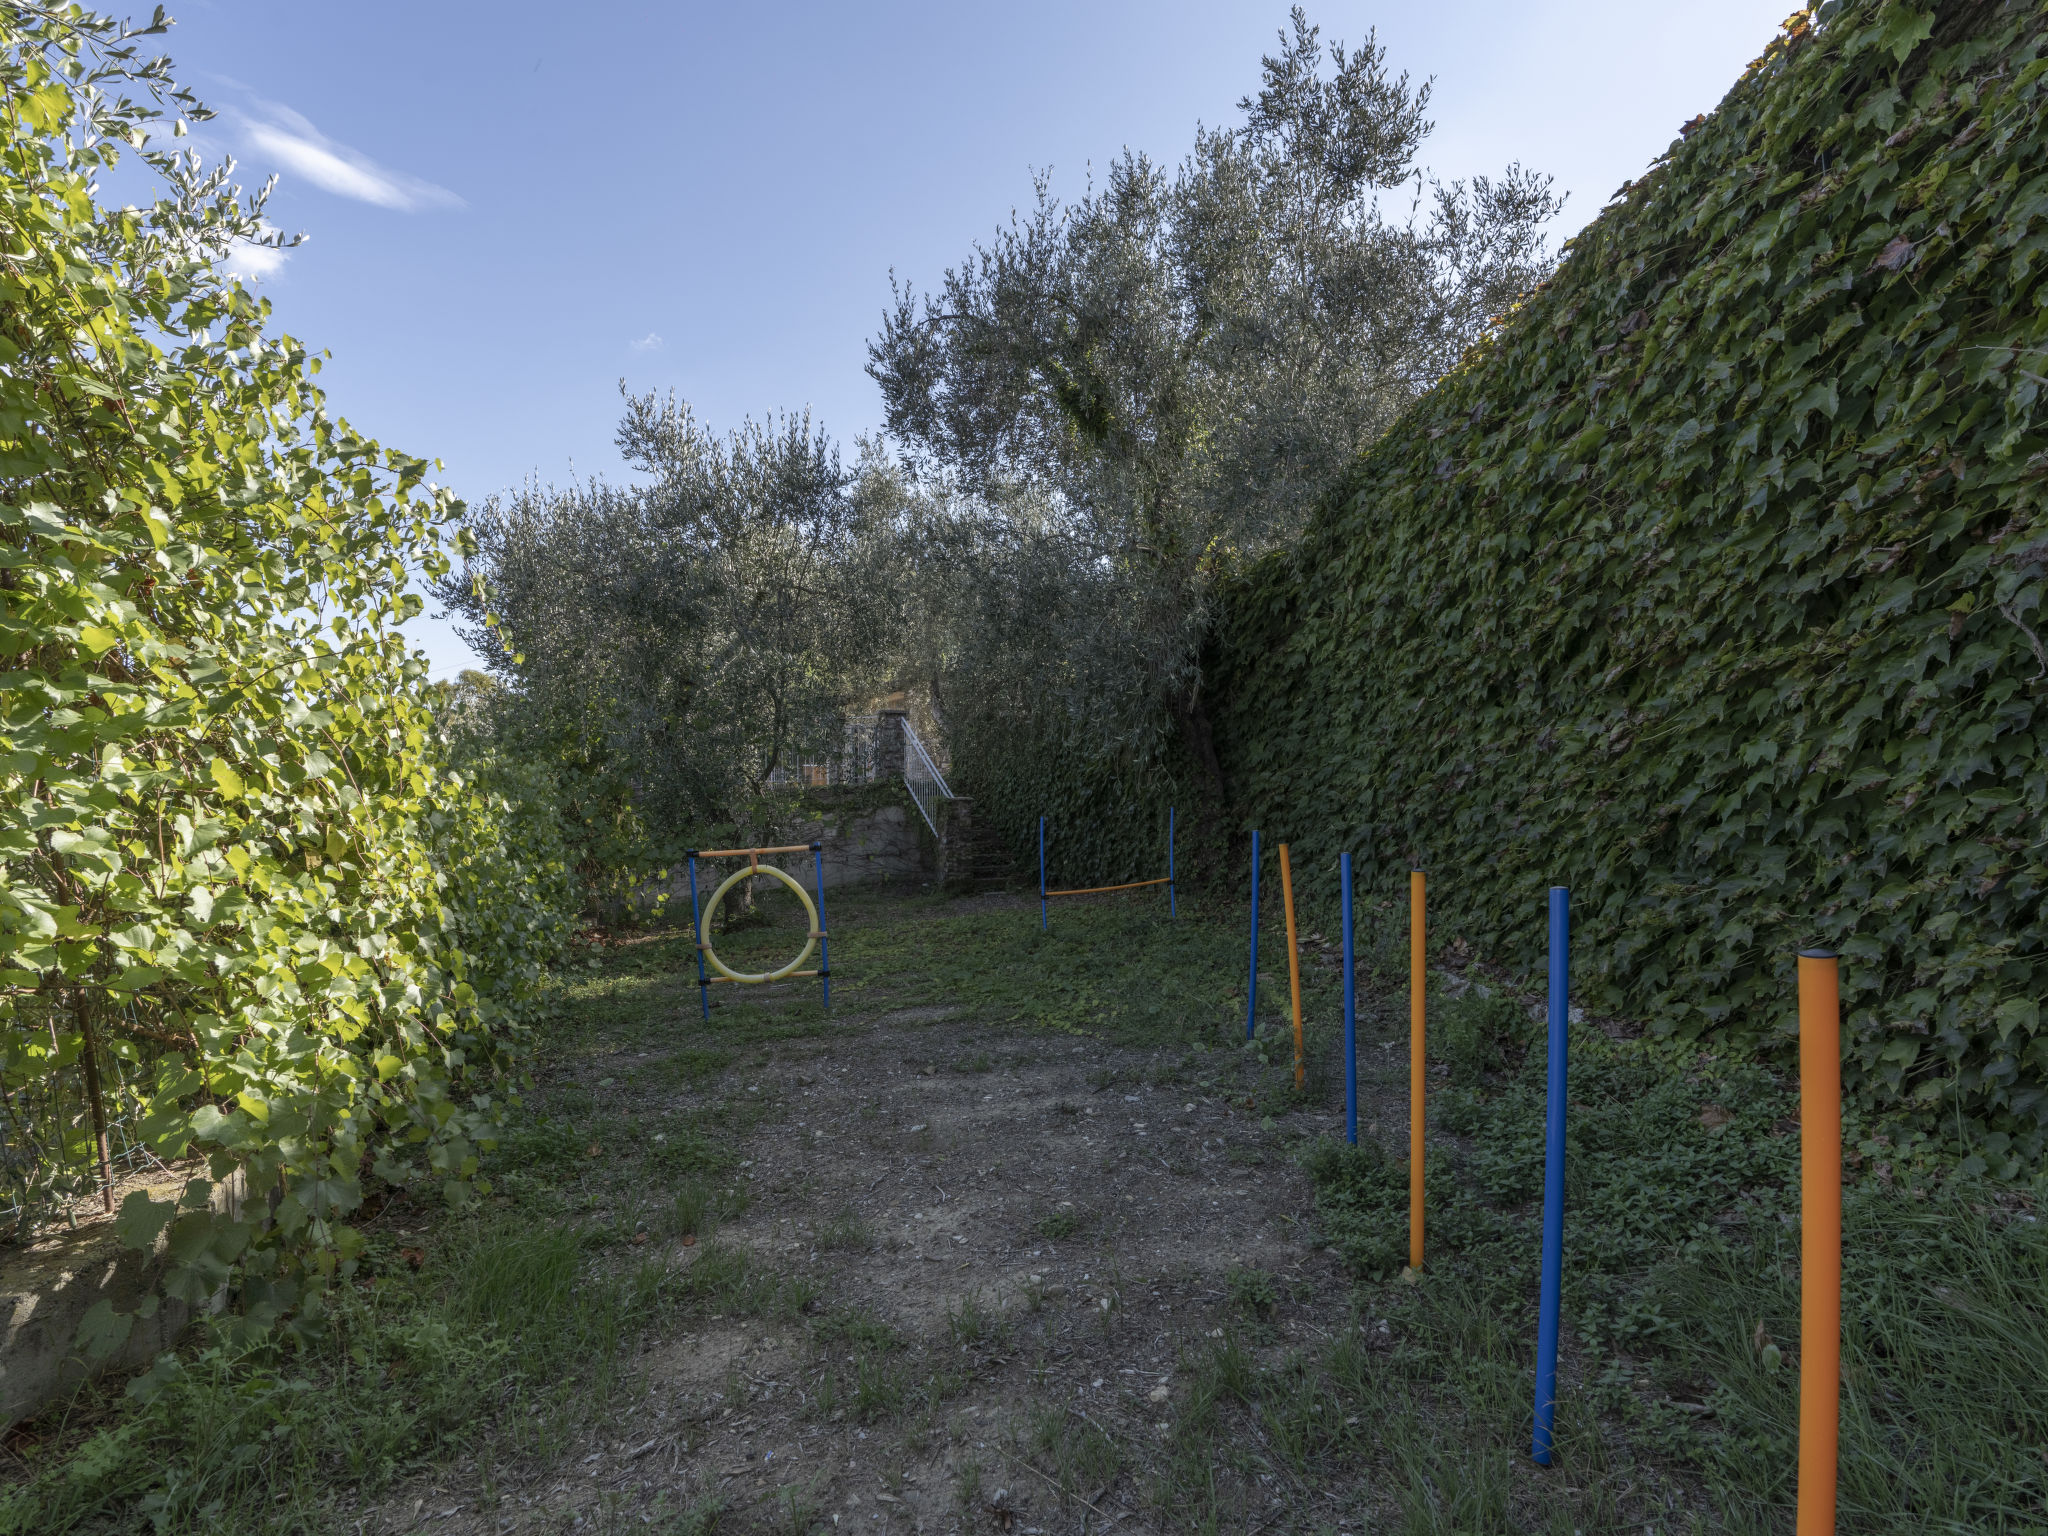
{"x":744,"y":853}
{"x":1097,"y":890}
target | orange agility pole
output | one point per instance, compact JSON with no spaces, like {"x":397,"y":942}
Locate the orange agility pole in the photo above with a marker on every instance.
{"x":1293,"y":968}
{"x":1820,"y":1238}
{"x":1418,"y":1063}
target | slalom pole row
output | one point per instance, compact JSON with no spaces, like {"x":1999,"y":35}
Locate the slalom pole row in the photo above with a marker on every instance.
{"x":1820,"y":1152}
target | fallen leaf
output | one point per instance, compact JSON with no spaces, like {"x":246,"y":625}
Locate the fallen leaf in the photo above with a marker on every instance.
{"x":592,"y":1150}
{"x":413,"y":1256}
{"x":1713,"y":1117}
{"x":1894,"y":256}
{"x":689,"y":1239}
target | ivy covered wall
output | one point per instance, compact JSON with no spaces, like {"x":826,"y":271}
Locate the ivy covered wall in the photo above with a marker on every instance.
{"x":1711,"y":585}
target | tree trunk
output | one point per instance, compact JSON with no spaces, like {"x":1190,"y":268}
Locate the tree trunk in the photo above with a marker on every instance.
{"x":1200,"y":740}
{"x":88,"y":1053}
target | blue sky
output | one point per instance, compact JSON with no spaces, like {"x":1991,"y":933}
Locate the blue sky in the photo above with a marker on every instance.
{"x":512,"y":207}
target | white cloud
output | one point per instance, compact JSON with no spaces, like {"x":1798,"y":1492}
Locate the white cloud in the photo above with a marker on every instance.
{"x":295,"y":146}
{"x":254,"y":262}
{"x":648,"y":343}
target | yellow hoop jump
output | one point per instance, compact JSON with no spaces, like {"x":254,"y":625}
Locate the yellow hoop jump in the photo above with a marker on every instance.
{"x":704,"y":925}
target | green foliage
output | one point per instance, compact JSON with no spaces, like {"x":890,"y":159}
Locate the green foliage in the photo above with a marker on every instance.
{"x":1361,"y":1203}
{"x":237,"y":862}
{"x":1105,"y":813}
{"x":1710,"y":585}
{"x":669,"y":645}
{"x":1251,"y":1290}
{"x":1475,"y":1032}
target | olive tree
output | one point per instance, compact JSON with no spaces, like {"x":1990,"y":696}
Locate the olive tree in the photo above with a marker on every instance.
{"x":1156,"y":380}
{"x":681,"y":637}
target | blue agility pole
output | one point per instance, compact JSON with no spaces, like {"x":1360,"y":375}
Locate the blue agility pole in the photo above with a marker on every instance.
{"x":1553,"y":1177}
{"x":1041,"y":874}
{"x":1350,"y":1009}
{"x":697,"y":943}
{"x":1172,"y":900}
{"x":1251,"y":1007}
{"x":824,"y":949}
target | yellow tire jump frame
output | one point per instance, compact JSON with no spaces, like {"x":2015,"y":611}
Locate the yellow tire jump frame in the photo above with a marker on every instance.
{"x":701,"y":920}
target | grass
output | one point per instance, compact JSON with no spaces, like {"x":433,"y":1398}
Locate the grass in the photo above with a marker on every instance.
{"x":503,"y":1345}
{"x":845,"y":1232}
{"x":1682,"y":1303}
{"x":973,"y":1322}
{"x":1682,"y":1239}
{"x":508,"y":1342}
{"x":1680,"y":1368}
{"x":1077,"y":1453}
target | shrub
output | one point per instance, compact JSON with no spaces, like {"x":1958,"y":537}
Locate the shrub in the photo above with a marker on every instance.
{"x":248,"y":909}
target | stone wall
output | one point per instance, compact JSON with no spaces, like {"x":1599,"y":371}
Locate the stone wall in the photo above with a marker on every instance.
{"x":47,"y":1288}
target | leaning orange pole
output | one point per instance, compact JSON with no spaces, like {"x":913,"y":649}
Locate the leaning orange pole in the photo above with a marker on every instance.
{"x":1418,"y":1064}
{"x":1293,"y":968}
{"x":1820,"y":1238}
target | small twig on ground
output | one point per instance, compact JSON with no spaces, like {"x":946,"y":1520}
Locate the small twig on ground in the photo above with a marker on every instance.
{"x":1050,"y":1482}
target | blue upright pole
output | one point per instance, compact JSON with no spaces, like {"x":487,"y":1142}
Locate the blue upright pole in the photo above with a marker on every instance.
{"x":824,"y":947}
{"x":1251,"y":1007}
{"x":1172,"y":901}
{"x":1041,"y":874}
{"x":697,"y":943}
{"x":1553,"y":1177}
{"x":1350,"y":1010}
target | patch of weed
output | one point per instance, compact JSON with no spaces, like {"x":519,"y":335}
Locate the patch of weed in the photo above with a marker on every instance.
{"x":1074,"y":1451}
{"x":845,"y":1231}
{"x":1252,"y":1291}
{"x":1060,"y":1225}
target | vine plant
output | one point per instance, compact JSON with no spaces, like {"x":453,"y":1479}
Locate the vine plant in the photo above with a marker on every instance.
{"x":232,"y":855}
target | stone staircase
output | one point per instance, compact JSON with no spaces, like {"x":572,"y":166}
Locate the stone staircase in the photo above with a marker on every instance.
{"x":988,"y":864}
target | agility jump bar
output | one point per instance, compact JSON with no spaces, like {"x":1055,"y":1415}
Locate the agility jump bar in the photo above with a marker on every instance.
{"x":1097,"y":890}
{"x":1167,"y":880}
{"x":747,"y":853}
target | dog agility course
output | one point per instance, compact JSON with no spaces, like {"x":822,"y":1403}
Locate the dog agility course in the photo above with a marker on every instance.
{"x":1820,"y":1123}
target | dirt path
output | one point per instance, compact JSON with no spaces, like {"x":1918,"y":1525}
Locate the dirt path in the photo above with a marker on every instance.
{"x":1007,"y":1246}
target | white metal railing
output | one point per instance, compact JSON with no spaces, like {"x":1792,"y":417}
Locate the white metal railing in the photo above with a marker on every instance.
{"x":853,"y":760}
{"x":865,"y":754}
{"x":922,"y":778}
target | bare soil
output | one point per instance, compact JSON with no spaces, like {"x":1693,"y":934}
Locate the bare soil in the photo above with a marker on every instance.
{"x":1049,"y":1226}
